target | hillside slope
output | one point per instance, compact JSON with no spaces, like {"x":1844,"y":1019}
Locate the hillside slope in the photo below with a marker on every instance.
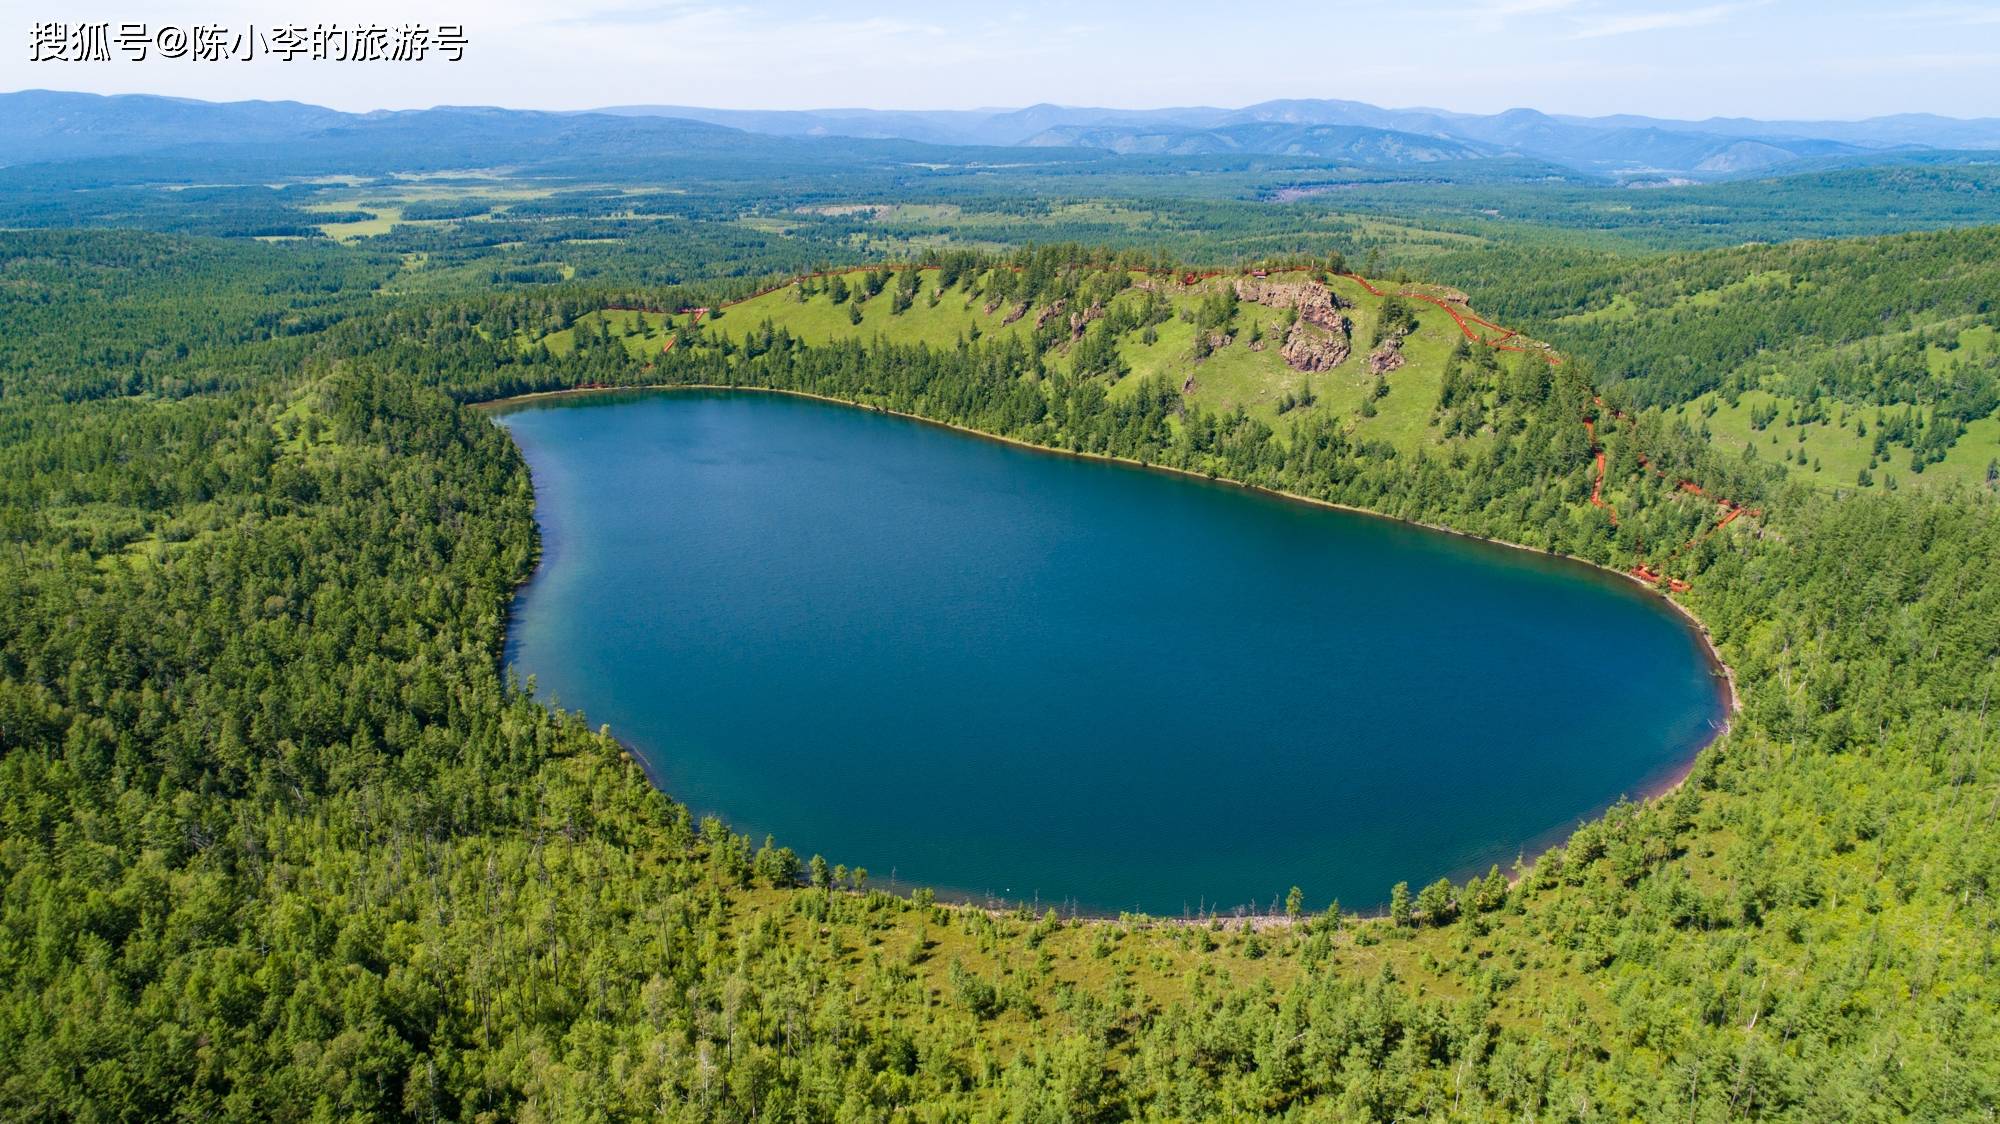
{"x":1861,"y":363}
{"x":1219,"y":341}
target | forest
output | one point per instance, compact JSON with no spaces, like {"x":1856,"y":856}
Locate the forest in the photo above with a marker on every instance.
{"x":282,"y":839}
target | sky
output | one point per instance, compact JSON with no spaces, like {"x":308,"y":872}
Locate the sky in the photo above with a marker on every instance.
{"x":1833,"y":59}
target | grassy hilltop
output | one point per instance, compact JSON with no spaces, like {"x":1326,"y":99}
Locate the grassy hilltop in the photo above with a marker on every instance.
{"x":1144,"y":327}
{"x":1773,"y":410}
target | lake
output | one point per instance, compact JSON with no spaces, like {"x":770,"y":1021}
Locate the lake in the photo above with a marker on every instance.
{"x":1001,"y":672}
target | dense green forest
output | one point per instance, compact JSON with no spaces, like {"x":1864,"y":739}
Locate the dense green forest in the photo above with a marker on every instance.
{"x":1681,"y":324}
{"x":280,"y":840}
{"x":677,"y":202}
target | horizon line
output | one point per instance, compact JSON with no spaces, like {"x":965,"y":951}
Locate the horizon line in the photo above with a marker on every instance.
{"x":1000,"y":110}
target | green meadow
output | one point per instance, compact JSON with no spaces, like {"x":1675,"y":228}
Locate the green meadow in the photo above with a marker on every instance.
{"x":1246,"y":372}
{"x":1830,"y":443}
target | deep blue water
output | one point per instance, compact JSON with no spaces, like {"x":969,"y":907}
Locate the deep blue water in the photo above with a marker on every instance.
{"x":997,"y":671}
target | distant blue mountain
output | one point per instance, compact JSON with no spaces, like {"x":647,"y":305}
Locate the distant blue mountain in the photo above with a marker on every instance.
{"x":1626,"y":146}
{"x":1352,"y":143}
{"x":135,"y":139}
{"x":39,"y":126}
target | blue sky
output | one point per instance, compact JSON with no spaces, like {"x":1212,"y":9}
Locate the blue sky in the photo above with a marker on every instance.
{"x":1763,"y":58}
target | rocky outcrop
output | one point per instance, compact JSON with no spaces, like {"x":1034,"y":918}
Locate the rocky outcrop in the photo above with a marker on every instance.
{"x":1387,"y":356}
{"x":1078,"y":321}
{"x":1309,"y":348}
{"x":1049,"y":313}
{"x":1019,"y":311}
{"x":1318,"y":339}
{"x":1317,"y":304}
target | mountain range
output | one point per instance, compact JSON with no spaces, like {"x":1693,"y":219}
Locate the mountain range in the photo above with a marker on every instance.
{"x":84,"y":139}
{"x":38,"y":126}
{"x":1623,"y":146}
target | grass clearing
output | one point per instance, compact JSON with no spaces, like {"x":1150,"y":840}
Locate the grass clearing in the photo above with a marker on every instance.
{"x":1832,"y":453}
{"x":1245,"y":374}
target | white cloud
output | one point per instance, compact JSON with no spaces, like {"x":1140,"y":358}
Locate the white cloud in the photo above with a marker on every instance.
{"x":1636,"y":22}
{"x":1488,"y":17}
{"x":1740,"y":57}
{"x":1503,"y":9}
{"x":629,"y":14}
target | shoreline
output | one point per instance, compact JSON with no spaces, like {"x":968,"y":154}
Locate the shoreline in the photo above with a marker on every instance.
{"x":1665,"y":786}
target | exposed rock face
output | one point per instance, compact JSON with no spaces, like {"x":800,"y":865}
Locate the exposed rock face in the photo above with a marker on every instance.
{"x":1078,"y":321}
{"x":1388,"y":353}
{"x":1318,"y":340}
{"x":1311,"y":349}
{"x":1019,"y":311}
{"x":1276,"y":294}
{"x":1316,"y":303}
{"x":1050,"y":313}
